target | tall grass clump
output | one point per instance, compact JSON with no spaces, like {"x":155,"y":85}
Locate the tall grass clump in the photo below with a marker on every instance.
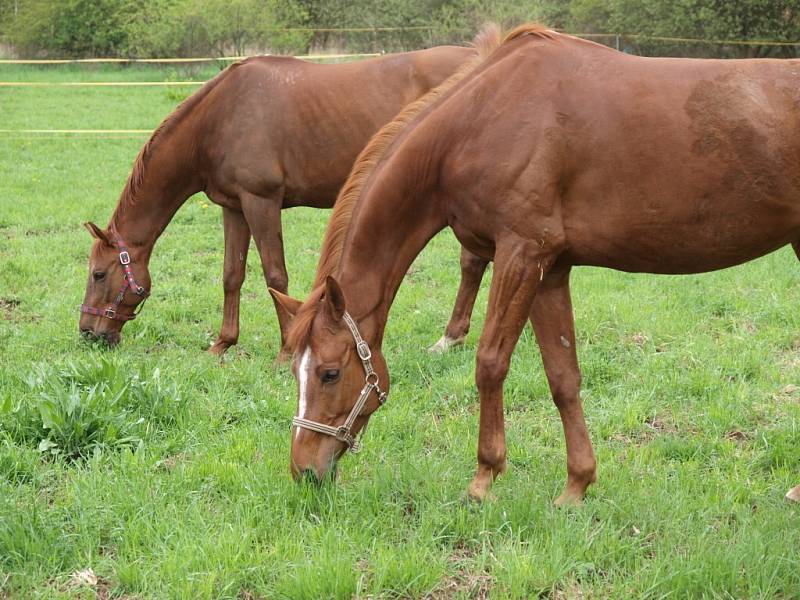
{"x":76,"y":410}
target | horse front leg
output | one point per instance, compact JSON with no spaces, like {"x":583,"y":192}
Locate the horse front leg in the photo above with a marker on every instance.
{"x":517,"y":271}
{"x":237,"y":243}
{"x":263,"y":214}
{"x":472,"y":269}
{"x":552,"y":320}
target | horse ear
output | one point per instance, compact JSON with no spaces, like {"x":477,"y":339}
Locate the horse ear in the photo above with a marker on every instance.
{"x":97,"y":233}
{"x":334,"y":298}
{"x":284,"y":303}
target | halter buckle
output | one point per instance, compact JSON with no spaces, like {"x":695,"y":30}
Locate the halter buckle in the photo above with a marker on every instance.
{"x":109,"y":313}
{"x":343,"y":435}
{"x":364,"y":353}
{"x":124,"y":257}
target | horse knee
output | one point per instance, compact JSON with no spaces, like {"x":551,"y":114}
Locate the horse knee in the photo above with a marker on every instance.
{"x":232,"y":280}
{"x":566,"y":390}
{"x":490,"y":370}
{"x":278,"y":280}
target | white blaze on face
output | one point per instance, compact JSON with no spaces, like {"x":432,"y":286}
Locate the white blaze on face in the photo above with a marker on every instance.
{"x":302,"y":379}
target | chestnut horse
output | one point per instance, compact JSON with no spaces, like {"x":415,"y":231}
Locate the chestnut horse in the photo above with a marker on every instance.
{"x":550,"y":153}
{"x":265,"y":134}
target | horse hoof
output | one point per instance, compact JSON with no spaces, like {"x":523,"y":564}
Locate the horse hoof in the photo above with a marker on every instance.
{"x":566,"y":499}
{"x":219,"y":348}
{"x":793,"y":495}
{"x":471,"y":499}
{"x":444,"y":344}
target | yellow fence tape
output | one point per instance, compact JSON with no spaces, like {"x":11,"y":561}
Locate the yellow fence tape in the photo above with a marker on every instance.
{"x":68,"y":61}
{"x":97,"y":83}
{"x":77,"y":131}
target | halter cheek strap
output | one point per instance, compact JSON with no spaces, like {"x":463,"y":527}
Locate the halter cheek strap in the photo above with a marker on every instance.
{"x":344,"y":433}
{"x":129,"y":283}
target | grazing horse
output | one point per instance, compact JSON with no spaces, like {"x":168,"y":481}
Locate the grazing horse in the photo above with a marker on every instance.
{"x":549,"y":153}
{"x":267,"y":133}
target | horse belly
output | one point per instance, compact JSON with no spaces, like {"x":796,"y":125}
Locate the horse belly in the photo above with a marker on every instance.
{"x":703,"y":239}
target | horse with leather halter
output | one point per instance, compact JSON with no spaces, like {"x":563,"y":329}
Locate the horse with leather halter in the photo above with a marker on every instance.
{"x":267,"y":133}
{"x":536,"y":159}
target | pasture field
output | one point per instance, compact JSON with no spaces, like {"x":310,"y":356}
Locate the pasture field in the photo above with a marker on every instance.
{"x":165,"y":470}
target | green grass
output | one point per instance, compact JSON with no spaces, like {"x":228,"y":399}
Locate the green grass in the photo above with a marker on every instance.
{"x":165,"y":471}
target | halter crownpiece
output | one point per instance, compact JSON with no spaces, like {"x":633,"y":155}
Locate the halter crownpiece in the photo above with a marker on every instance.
{"x":128,"y":284}
{"x":343,"y":432}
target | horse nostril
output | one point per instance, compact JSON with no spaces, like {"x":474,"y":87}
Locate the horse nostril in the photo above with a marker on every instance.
{"x":87,"y":334}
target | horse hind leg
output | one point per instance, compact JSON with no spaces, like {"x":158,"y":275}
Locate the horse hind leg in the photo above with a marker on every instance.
{"x":551,"y":317}
{"x":472,"y":269}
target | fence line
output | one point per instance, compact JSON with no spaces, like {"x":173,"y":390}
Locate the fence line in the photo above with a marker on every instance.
{"x":97,"y":83}
{"x":68,"y":61}
{"x":78,"y":131}
{"x":683,"y":40}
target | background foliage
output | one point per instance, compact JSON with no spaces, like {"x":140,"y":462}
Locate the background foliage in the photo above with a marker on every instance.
{"x":147,"y":28}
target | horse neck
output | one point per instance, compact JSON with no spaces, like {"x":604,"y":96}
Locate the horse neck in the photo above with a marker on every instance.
{"x":167,"y":176}
{"x":393,"y":222}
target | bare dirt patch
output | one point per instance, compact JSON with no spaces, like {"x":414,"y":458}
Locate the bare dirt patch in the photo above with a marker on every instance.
{"x":638,"y":339}
{"x":171,"y":462}
{"x":463,"y":582}
{"x":8,"y":306}
{"x":791,"y":358}
{"x":653,"y":427}
{"x":87,"y":578}
{"x":789,"y":393}
{"x":738,"y":436}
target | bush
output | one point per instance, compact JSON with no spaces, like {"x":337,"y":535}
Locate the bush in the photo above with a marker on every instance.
{"x":153,"y":28}
{"x":70,"y":27}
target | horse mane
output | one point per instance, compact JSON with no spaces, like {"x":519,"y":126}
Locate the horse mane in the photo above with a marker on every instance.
{"x":486,"y":41}
{"x":534,"y":29}
{"x":135,"y":179}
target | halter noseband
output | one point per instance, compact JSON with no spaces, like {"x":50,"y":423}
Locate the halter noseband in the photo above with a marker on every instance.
{"x":128,"y":284}
{"x":343,"y":432}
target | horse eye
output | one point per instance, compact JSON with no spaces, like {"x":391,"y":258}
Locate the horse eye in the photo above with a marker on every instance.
{"x":99,"y":275}
{"x":330,"y":376}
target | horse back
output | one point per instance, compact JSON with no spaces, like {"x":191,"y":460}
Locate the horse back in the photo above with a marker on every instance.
{"x":278,"y":123}
{"x":658,"y":165}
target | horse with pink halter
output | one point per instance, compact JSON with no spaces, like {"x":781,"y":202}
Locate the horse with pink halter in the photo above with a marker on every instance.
{"x":267,"y":133}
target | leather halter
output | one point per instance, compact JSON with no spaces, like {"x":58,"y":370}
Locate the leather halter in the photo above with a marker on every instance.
{"x":343,"y":432}
{"x":129,"y":283}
